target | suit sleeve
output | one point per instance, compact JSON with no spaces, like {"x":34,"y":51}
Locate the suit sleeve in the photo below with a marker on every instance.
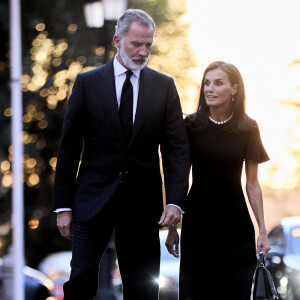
{"x":175,"y":150}
{"x":70,"y":148}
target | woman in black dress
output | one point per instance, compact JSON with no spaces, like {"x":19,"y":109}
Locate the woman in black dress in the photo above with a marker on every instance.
{"x":218,"y":252}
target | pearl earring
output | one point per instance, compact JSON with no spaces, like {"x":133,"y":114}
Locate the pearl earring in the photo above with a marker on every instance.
{"x":232,"y":98}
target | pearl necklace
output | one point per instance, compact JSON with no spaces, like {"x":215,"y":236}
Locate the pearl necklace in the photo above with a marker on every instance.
{"x":221,"y":122}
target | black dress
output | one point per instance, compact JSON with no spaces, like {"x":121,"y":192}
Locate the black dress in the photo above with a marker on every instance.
{"x":218,"y":251}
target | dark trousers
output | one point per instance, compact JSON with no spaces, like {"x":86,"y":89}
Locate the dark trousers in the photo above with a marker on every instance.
{"x":137,"y":246}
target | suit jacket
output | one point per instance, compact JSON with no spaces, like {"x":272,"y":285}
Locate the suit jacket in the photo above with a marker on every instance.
{"x":92,"y":120}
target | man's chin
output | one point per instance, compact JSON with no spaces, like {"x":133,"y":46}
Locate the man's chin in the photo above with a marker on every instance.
{"x":139,"y":62}
{"x":138,"y":66}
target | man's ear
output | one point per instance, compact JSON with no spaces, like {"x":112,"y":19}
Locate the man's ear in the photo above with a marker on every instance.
{"x":117,"y":41}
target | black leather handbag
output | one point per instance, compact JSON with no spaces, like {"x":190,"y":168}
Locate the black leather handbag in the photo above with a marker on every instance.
{"x":263,"y":286}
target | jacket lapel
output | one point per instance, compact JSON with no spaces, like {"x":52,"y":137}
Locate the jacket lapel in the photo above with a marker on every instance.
{"x":145,"y":98}
{"x":107,"y":91}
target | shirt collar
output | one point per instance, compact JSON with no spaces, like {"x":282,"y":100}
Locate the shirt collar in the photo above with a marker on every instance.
{"x":119,"y":69}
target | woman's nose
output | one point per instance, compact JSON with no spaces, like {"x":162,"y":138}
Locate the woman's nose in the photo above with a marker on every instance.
{"x":210,"y":87}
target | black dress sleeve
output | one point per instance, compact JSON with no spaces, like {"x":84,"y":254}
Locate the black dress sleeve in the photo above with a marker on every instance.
{"x":255,"y":150}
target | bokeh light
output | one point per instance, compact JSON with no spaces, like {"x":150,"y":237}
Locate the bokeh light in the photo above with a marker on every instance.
{"x":40,"y":27}
{"x":8,"y":112}
{"x":7,"y":180}
{"x":52,"y":163}
{"x":33,"y":180}
{"x":5,"y":166}
{"x":33,"y":223}
{"x":72,"y":28}
{"x":100,"y":51}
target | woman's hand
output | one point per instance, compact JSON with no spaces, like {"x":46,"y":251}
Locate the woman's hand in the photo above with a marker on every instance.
{"x":262,"y":244}
{"x":172,"y":242}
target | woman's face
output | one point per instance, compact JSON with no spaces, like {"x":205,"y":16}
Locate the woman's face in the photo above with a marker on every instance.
{"x":218,"y":90}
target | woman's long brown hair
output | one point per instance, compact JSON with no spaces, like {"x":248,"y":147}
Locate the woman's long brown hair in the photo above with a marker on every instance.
{"x":240,"y":121}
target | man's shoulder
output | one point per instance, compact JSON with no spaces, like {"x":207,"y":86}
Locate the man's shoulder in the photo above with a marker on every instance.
{"x":96,"y":71}
{"x":157,"y":74}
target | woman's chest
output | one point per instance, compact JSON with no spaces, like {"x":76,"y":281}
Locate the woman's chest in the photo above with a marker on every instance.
{"x":215,"y":146}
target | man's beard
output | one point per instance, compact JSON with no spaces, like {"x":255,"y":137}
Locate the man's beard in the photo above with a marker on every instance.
{"x":129,"y":62}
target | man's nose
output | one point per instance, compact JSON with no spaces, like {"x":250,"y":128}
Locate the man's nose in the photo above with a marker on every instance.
{"x":143,"y":51}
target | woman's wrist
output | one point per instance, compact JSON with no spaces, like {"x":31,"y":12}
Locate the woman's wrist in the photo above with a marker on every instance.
{"x":263,"y":231}
{"x":172,"y":228}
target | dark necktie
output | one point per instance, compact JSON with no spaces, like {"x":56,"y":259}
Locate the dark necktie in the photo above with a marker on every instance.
{"x":126,"y":107}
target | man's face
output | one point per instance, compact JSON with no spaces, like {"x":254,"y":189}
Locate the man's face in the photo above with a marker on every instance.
{"x":135,"y":47}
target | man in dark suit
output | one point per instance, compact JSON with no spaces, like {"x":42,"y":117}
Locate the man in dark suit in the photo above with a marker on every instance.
{"x":119,"y":116}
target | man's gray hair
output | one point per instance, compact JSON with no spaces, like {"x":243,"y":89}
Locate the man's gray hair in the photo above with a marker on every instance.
{"x":130,"y":16}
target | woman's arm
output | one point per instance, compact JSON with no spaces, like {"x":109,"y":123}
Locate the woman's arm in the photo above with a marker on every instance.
{"x":254,"y":194}
{"x":172,"y":241}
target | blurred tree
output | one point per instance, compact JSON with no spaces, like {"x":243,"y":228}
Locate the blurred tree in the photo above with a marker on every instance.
{"x":293,"y":131}
{"x":171,"y":53}
{"x":56,"y":47}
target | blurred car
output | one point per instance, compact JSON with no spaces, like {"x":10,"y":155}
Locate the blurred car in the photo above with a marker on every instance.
{"x":57,"y":267}
{"x":283,"y":259}
{"x":169,"y":272}
{"x":37,"y":285}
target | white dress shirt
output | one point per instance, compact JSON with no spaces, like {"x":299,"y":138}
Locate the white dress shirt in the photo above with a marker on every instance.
{"x":120,"y":77}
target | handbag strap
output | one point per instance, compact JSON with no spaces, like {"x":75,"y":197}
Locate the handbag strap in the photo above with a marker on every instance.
{"x":261,"y":265}
{"x":261,"y":259}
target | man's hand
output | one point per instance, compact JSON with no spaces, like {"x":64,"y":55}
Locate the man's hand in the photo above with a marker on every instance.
{"x":171,"y":216}
{"x":65,"y":224}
